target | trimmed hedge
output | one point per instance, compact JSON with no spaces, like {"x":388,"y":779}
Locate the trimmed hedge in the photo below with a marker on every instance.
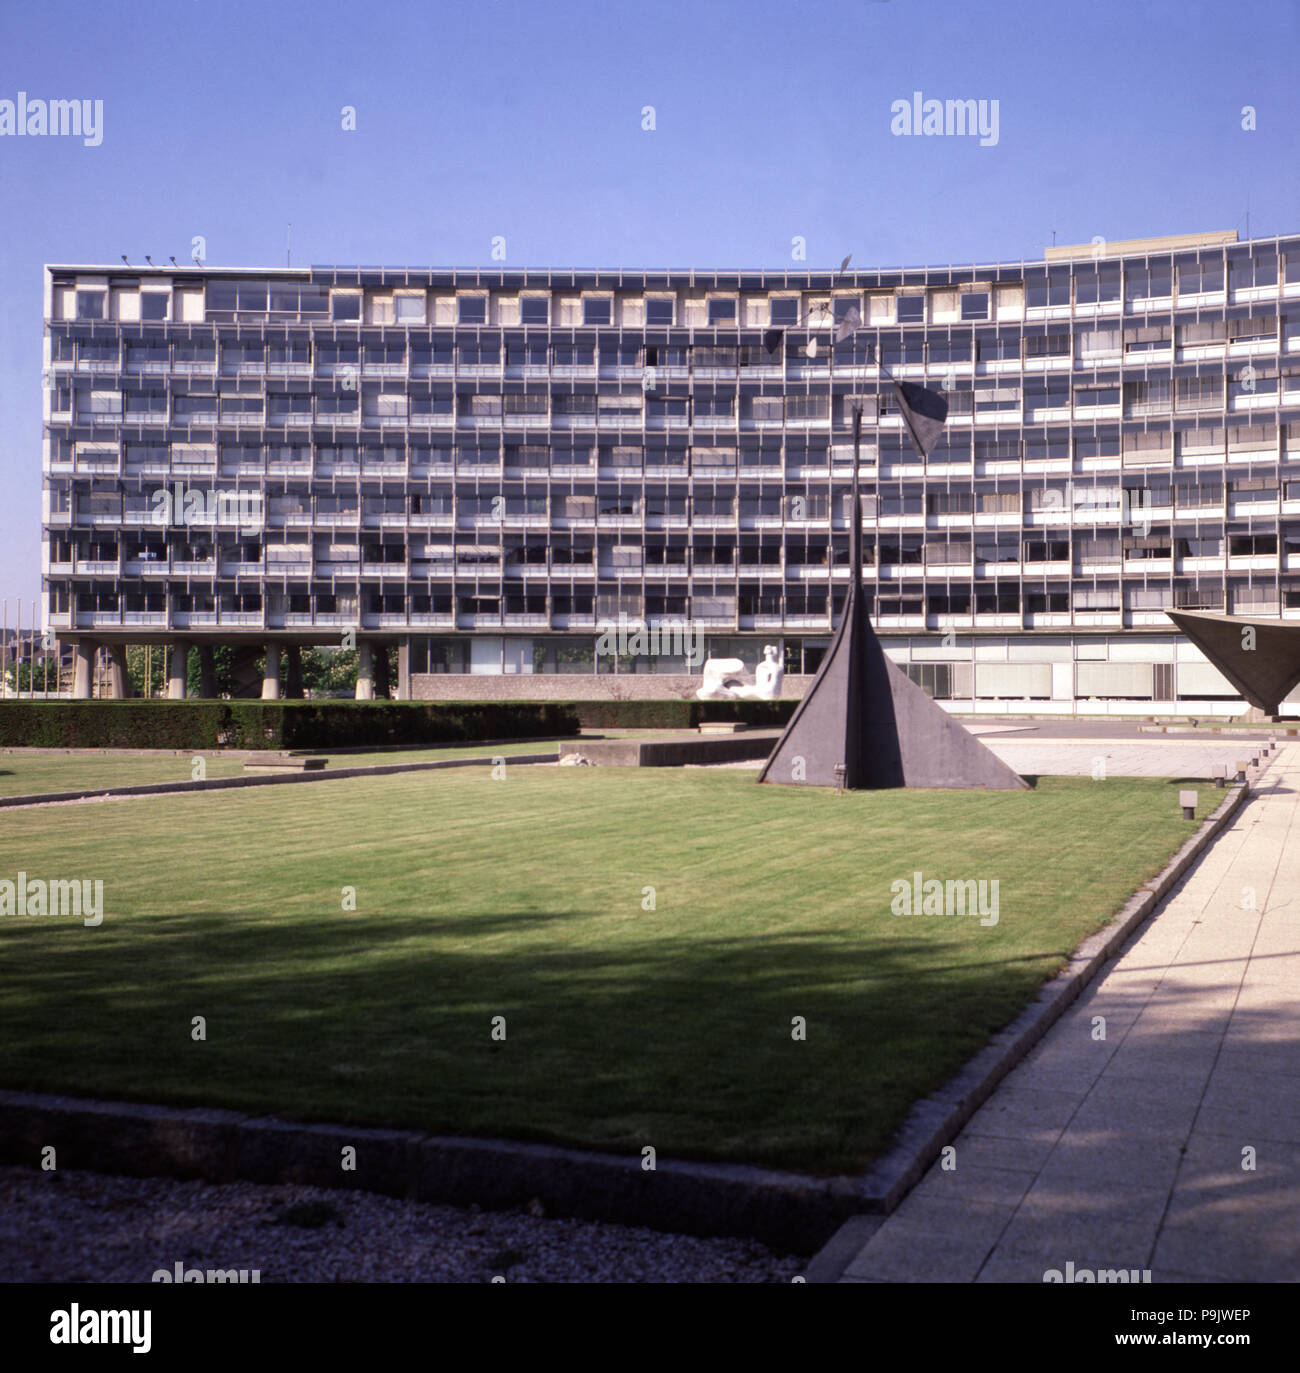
{"x":274,"y":724}
{"x":347,"y":724}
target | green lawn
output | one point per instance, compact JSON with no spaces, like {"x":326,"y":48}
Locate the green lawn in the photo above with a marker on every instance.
{"x":26,"y":774}
{"x":523,"y":897}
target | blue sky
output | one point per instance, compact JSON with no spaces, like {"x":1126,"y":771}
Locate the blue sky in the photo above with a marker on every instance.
{"x":1119,"y":118}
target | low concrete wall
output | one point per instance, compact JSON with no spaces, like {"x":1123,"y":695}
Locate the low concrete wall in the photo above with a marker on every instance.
{"x":555,"y":686}
{"x":674,"y":752}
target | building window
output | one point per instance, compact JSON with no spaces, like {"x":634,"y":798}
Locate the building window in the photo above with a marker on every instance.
{"x":409,"y":309}
{"x":660,"y":310}
{"x":1048,"y":288}
{"x":1199,"y":393}
{"x":807,"y":407}
{"x":1150,"y":281}
{"x":722,"y":310}
{"x":783,"y":310}
{"x":975,"y":305}
{"x":1089,"y":397}
{"x":386,"y":406}
{"x":153,"y":305}
{"x":1199,"y":275}
{"x":1047,"y":345}
{"x":534,"y":310}
{"x":1245,"y":270}
{"x":345,"y":306}
{"x":90,"y":304}
{"x":597,"y":310}
{"x":1093,"y":285}
{"x":911,"y":309}
{"x":472,"y":310}
{"x":102,"y":403}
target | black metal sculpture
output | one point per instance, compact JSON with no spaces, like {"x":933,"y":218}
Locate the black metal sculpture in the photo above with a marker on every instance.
{"x":864,"y":723}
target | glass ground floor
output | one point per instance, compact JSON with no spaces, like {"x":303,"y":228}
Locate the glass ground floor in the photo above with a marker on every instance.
{"x":1120,"y":673}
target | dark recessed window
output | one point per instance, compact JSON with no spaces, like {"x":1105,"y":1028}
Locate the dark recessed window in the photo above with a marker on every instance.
{"x":975,"y":305}
{"x":722,"y":311}
{"x":783,"y":311}
{"x":473,"y":310}
{"x":345,"y":307}
{"x":90,"y":304}
{"x":911,"y":309}
{"x":534,"y":310}
{"x":659,"y":311}
{"x":153,"y":305}
{"x":597,"y":310}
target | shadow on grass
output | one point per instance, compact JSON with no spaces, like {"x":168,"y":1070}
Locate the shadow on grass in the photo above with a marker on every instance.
{"x":688,"y":1043}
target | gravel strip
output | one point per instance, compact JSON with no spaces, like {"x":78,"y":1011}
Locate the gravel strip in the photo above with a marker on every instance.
{"x":71,"y":1226}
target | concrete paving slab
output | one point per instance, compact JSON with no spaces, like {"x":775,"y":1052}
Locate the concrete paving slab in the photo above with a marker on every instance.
{"x":1232,"y":1224}
{"x":1101,"y":1227}
{"x":916,"y":1253}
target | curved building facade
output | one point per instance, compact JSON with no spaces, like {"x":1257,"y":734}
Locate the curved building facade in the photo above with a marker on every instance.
{"x":489,"y":468}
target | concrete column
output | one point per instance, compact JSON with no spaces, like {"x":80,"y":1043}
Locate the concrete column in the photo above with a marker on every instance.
{"x":178,"y":672}
{"x":404,"y":670}
{"x":83,"y":673}
{"x":119,"y":678}
{"x":207,"y":673}
{"x":293,"y":672}
{"x":365,"y":671}
{"x":271,"y":674}
{"x":382,"y":688}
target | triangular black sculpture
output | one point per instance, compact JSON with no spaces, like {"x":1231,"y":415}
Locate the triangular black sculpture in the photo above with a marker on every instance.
{"x":865,"y":724}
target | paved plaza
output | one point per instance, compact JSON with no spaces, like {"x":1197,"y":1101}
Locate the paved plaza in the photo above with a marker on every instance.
{"x":1144,"y":756}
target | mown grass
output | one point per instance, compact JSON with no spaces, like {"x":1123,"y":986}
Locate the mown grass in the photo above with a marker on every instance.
{"x":528,"y":898}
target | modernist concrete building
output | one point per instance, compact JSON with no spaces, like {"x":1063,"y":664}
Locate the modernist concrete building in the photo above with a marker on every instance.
{"x":485,"y":466}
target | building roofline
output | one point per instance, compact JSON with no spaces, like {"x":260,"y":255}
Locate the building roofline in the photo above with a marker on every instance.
{"x":1100,"y":249}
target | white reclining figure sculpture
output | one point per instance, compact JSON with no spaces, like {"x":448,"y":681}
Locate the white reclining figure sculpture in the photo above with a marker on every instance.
{"x":720,"y":676}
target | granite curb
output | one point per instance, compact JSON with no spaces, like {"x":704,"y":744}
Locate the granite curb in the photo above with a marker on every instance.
{"x":785,"y":1210}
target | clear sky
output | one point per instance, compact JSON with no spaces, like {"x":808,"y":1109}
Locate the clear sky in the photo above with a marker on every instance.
{"x":523,"y":119}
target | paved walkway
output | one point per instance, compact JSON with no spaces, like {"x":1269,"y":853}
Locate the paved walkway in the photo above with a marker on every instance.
{"x":1141,"y":757}
{"x":1134,"y":1151}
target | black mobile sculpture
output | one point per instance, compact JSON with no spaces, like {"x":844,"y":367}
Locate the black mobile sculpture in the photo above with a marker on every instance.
{"x":864,"y":723}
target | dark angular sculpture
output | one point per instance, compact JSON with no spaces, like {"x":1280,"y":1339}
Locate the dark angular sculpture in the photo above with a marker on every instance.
{"x":865,"y":724}
{"x":1261,"y":658}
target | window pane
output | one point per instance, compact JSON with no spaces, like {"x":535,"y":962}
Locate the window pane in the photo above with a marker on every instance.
{"x":975,"y":305}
